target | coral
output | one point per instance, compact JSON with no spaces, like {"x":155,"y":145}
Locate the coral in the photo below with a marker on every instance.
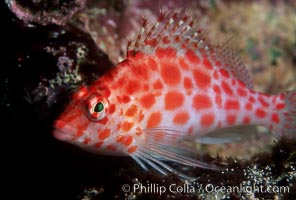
{"x":45,"y":12}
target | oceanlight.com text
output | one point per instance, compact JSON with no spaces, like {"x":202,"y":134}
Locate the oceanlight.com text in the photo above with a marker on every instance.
{"x":192,"y":188}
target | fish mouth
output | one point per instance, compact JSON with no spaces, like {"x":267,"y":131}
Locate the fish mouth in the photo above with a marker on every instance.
{"x":61,"y":135}
{"x":62,"y":131}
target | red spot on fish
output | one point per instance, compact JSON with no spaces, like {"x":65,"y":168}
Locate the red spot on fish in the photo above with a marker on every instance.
{"x":157,"y":85}
{"x":98,"y":144}
{"x":170,"y":73}
{"x":141,"y":116}
{"x":132,"y":86}
{"x":112,"y":108}
{"x":86,"y":141}
{"x":218,"y":63}
{"x":274,"y":98}
{"x":218,"y":100}
{"x":111,"y":147}
{"x":192,"y":57}
{"x":183,"y":64}
{"x":201,"y":102}
{"x":260,"y":113}
{"x":241,"y":92}
{"x":224,"y":73}
{"x":81,"y":128}
{"x":216,"y":75}
{"x":246,"y":120}
{"x":202,"y":80}
{"x":207,"y":119}
{"x":181,"y":118}
{"x":252,"y":99}
{"x":147,"y":101}
{"x":106,"y":92}
{"x":151,"y":42}
{"x":123,"y":99}
{"x":207,"y":63}
{"x":275,"y":118}
{"x":173,"y":100}
{"x":177,"y":38}
{"x":226,"y":88}
{"x":216,"y":89}
{"x":152,"y":64}
{"x":59,"y":124}
{"x":128,"y":141}
{"x":231,"y":105}
{"x":280,"y":106}
{"x":126,"y":126}
{"x":154,"y":119}
{"x":248,"y":106}
{"x":166,"y":52}
{"x":132,"y":149}
{"x":263,"y":101}
{"x":104,"y":134}
{"x":241,"y":84}
{"x":187,"y":83}
{"x":79,"y":133}
{"x":166,"y":40}
{"x":231,"y":119}
{"x":140,"y":71}
{"x":233,"y":82}
{"x":139,"y":131}
{"x":131,"y":111}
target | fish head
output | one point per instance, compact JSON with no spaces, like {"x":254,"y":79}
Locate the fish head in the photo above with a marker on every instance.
{"x":90,"y":121}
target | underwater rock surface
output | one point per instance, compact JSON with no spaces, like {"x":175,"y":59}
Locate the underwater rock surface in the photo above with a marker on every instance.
{"x":45,"y":61}
{"x":45,"y":12}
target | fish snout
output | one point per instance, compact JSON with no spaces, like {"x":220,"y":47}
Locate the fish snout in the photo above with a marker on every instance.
{"x":63,"y":131}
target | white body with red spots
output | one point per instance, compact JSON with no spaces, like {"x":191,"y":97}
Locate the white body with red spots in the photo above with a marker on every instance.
{"x":171,"y":87}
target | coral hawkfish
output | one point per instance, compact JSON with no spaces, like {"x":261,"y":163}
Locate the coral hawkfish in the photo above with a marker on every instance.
{"x":173,"y":88}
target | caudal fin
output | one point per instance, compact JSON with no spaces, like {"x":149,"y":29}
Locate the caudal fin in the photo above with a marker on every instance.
{"x":286,"y":123}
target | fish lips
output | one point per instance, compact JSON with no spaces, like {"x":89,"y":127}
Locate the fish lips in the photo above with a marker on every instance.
{"x":63,"y":131}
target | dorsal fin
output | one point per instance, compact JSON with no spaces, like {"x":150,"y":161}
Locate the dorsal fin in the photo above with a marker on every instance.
{"x":230,"y":55}
{"x":175,"y":29}
{"x":180,"y":30}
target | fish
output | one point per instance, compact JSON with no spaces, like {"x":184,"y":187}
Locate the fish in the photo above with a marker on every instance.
{"x":173,"y":89}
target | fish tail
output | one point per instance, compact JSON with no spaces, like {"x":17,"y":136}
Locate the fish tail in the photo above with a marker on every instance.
{"x":284,"y":114}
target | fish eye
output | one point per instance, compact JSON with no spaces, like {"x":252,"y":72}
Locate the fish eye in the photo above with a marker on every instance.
{"x":99,"y":107}
{"x":96,"y":107}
